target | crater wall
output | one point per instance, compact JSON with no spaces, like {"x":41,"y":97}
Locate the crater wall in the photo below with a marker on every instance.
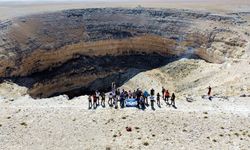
{"x":73,"y":50}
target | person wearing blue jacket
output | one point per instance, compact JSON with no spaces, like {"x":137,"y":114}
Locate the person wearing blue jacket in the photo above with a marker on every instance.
{"x":146,"y":95}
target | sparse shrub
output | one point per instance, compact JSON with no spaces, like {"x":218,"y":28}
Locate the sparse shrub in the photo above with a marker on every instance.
{"x":205,"y":117}
{"x":24,"y":124}
{"x":221,"y":135}
{"x":8,"y":117}
{"x":244,"y":133}
{"x":145,"y":143}
{"x":137,"y":128}
{"x":237,"y":134}
{"x":120,"y":134}
{"x":214,"y":140}
{"x":129,"y":129}
{"x":108,"y":148}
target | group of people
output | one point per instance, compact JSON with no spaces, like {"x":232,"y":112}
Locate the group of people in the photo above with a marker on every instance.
{"x":142,"y":98}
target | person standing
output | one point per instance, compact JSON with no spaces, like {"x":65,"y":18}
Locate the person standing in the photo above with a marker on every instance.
{"x":113,"y":86}
{"x":152,"y":100}
{"x":142,"y":102}
{"x":126,"y":94}
{"x":103,"y":99}
{"x":173,"y":100}
{"x":167,"y":95}
{"x":146,"y":95}
{"x":158,"y":99}
{"x":110,"y":99}
{"x":152,"y":92}
{"x":113,"y":96}
{"x":138,"y":96}
{"x":134,"y":94}
{"x":209,"y":91}
{"x":94,"y":101}
{"x":130,"y":94}
{"x":116,"y":96}
{"x":97,"y":93}
{"x":116,"y":102}
{"x":122,"y":99}
{"x":117,"y":93}
{"x":90,"y":102}
{"x":163,"y":93}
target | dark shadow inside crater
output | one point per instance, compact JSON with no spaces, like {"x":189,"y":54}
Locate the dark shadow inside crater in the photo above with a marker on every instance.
{"x":122,"y":68}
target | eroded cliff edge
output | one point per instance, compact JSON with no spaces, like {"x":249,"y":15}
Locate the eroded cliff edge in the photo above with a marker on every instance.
{"x":80,"y":50}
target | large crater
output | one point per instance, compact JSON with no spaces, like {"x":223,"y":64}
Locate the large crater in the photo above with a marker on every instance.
{"x":77,"y":51}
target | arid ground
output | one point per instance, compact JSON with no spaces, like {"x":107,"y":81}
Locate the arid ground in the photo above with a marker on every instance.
{"x":9,"y":10}
{"x":29,"y":122}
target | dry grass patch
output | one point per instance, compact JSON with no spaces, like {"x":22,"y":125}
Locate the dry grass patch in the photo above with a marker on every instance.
{"x":237,"y":134}
{"x":145,"y":143}
{"x":24,"y":124}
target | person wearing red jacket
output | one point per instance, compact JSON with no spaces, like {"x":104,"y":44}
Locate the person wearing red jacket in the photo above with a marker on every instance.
{"x":167,"y":95}
{"x":94,"y":101}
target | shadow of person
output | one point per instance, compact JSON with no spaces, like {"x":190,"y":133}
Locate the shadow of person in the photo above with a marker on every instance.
{"x":103,"y":105}
{"x":210,"y":98}
{"x":174,"y":107}
{"x":159,"y":105}
{"x":167,"y":103}
{"x":152,"y":107}
{"x":143,"y":107}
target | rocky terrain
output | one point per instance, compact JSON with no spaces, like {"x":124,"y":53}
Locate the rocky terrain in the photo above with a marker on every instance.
{"x":59,"y":123}
{"x":49,"y":61}
{"x":72,"y":50}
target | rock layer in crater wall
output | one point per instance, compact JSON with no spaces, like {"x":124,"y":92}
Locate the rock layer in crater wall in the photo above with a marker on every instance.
{"x":33,"y":45}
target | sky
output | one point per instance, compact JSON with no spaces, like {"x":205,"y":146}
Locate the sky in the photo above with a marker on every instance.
{"x":104,"y":0}
{"x":154,"y":1}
